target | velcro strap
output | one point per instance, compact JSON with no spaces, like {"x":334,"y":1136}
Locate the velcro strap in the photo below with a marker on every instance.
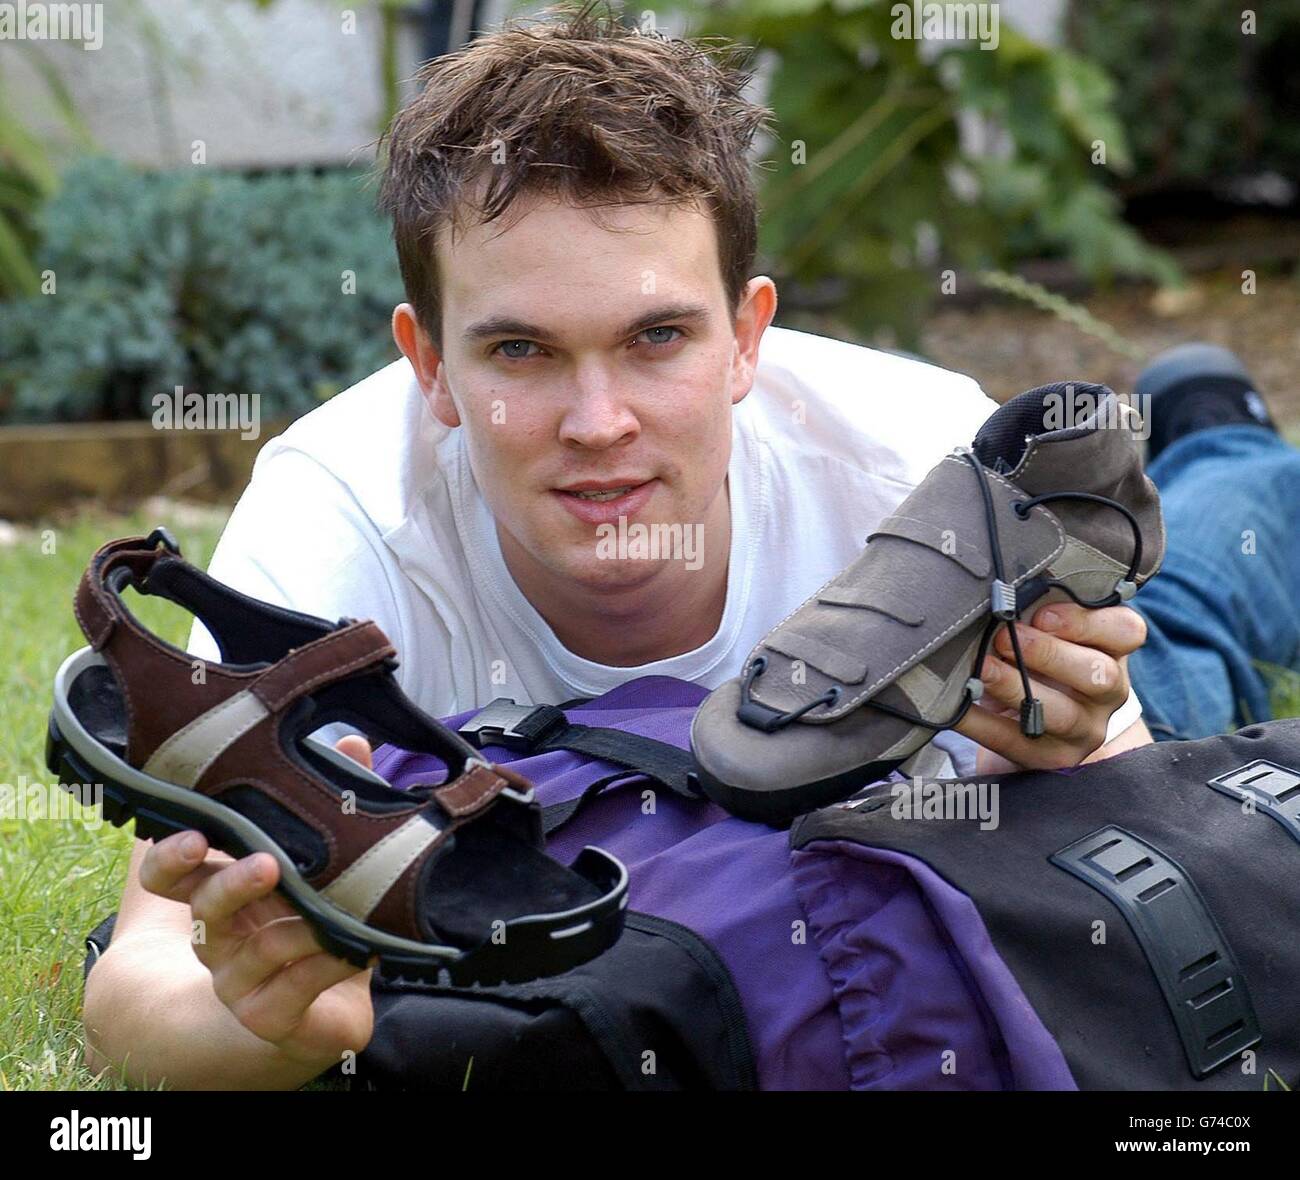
{"x":471,"y":793}
{"x":924,"y":532}
{"x":871,"y":598}
{"x":334,"y":657}
{"x":838,"y":665}
{"x":543,"y":721}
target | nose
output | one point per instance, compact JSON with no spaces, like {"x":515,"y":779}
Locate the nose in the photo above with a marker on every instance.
{"x":597,"y":416}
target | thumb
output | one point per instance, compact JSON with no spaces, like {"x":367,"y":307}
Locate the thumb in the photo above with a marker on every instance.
{"x":356,"y":747}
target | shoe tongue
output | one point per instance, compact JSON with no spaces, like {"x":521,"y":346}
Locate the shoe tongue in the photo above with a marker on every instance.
{"x":1001,"y":441}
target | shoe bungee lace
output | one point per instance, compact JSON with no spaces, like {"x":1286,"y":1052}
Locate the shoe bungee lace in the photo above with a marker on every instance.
{"x":1005,"y":608}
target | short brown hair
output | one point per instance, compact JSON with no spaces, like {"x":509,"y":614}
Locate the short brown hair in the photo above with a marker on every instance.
{"x":583,"y":109}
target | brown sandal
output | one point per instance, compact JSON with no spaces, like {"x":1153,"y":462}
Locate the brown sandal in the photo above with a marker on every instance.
{"x":449,"y":875}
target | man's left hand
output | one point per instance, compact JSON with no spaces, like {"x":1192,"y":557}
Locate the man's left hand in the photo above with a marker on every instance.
{"x":1077,"y":660}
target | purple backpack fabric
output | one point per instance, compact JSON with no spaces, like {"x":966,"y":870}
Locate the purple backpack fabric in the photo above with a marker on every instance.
{"x":858,"y":968}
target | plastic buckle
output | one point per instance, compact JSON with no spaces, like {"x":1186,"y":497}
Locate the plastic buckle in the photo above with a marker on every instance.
{"x":1002,"y":599}
{"x":498,"y":724}
{"x":1032,"y":723}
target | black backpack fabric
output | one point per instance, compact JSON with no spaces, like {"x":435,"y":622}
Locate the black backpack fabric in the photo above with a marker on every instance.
{"x":1188,"y":853}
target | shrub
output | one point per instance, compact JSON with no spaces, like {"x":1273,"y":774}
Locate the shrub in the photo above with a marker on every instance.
{"x":217,"y":282}
{"x":923,"y":156}
{"x":1202,"y":97}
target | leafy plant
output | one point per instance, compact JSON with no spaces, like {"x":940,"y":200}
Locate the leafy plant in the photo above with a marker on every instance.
{"x":30,"y":160}
{"x":1206,"y":89}
{"x":280,"y":285}
{"x":925,"y":155}
{"x":28,"y":176}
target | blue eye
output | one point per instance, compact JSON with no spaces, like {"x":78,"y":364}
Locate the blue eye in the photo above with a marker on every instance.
{"x":665,"y":328}
{"x":513,"y":356}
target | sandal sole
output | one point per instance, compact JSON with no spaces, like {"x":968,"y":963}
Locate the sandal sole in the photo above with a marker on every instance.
{"x":160,"y":809}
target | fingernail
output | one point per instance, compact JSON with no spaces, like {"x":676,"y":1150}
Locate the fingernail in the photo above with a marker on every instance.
{"x":989,"y":671}
{"x":1048,"y":621}
{"x":191,"y":846}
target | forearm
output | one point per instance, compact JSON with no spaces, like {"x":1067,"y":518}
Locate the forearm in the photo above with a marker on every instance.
{"x":151,"y":1012}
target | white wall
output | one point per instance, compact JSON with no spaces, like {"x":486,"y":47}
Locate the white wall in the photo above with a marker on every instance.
{"x":264,"y":88}
{"x":261,"y":88}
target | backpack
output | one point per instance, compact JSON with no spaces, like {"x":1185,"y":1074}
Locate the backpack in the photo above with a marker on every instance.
{"x":1121,"y":926}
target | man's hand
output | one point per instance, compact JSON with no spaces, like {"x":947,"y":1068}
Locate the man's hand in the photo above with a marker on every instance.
{"x":266,"y":964}
{"x":1077,"y":660}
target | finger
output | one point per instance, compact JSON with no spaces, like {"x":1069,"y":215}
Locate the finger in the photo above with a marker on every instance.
{"x":261,"y":954}
{"x":356,"y":747}
{"x":1116,"y":630}
{"x":1065,"y":717}
{"x":278,"y":1006}
{"x":217,"y":900}
{"x":174,"y":866}
{"x":1002,"y":736}
{"x":1087,"y":670}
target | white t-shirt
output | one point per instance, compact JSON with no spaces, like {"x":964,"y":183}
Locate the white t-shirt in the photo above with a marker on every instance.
{"x":366,"y":507}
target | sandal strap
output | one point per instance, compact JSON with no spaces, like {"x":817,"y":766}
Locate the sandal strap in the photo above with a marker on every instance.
{"x":336,"y":656}
{"x":99,"y":609}
{"x":291,"y":654}
{"x":478,"y":787}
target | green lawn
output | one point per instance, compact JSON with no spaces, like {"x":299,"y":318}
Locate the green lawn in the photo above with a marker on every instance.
{"x":58,"y":879}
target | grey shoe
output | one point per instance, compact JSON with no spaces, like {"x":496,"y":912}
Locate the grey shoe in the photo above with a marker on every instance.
{"x":888,"y":653}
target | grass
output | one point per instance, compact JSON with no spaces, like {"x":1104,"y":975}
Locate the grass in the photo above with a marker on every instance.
{"x":58,"y":879}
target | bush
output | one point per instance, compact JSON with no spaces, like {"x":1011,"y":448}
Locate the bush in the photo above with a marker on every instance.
{"x":217,"y":282}
{"x":1202,"y":98}
{"x":924,"y":156}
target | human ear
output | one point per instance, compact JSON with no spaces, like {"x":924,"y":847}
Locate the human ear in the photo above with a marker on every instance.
{"x":757,"y":307}
{"x":426,"y":360}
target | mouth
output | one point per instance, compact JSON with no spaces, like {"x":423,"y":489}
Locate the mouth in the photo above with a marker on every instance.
{"x":604,"y":501}
{"x":603,"y":497}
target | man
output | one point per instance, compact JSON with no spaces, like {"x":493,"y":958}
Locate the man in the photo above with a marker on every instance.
{"x":567,"y":370}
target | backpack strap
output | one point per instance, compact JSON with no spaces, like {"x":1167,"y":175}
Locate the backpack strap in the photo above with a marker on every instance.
{"x":539,"y":729}
{"x":556,"y":815}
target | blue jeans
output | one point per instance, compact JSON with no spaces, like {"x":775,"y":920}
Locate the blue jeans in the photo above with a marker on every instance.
{"x":1229,"y":591}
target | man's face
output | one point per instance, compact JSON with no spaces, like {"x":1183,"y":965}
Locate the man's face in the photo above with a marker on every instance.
{"x":593,"y":370}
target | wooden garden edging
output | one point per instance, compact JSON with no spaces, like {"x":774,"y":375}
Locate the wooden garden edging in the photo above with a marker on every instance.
{"x":45,"y":468}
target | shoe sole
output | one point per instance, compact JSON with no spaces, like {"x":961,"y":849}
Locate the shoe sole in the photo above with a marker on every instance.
{"x":161,"y":809}
{"x":780,"y":808}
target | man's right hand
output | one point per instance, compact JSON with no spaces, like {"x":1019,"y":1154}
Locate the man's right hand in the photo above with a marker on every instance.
{"x":266,"y":964}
